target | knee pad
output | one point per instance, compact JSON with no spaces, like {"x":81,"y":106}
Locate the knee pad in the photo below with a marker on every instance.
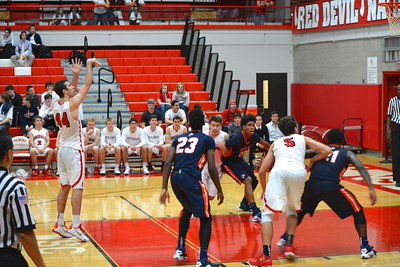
{"x":359,"y":218}
{"x":266,"y":217}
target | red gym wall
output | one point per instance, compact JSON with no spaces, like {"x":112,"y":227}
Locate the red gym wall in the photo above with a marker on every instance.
{"x":327,"y":105}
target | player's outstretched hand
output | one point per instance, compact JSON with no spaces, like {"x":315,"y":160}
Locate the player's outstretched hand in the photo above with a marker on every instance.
{"x":164,"y":196}
{"x":76,"y":65}
{"x":93,"y":62}
{"x":220,"y":197}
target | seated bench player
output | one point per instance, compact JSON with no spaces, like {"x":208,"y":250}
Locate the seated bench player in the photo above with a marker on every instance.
{"x":91,"y":140}
{"x":39,"y":141}
{"x":110,"y":138}
{"x":154,"y":136}
{"x":133,"y":143}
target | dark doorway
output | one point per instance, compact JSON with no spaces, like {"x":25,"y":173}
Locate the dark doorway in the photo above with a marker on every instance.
{"x":271,"y":94}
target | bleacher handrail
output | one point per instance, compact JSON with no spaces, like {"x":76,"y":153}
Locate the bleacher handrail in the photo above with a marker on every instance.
{"x":102,"y":80}
{"x":109,"y":102}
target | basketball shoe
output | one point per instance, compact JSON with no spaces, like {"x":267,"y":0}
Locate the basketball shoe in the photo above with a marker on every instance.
{"x":146,"y":171}
{"x":281,"y":243}
{"x":46,"y":172}
{"x":367,"y":252}
{"x":206,"y":263}
{"x":257,"y":217}
{"x":61,"y":231}
{"x":244,"y":207}
{"x":290,"y":252}
{"x":35,"y":172}
{"x":261,"y":261}
{"x":180,"y":255}
{"x":96,"y":171}
{"x":77,"y":232}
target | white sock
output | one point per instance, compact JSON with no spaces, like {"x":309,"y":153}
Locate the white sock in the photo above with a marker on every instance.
{"x":60,"y":219}
{"x":127,"y":165}
{"x":36,"y":167}
{"x":116,"y":166}
{"x":76,"y":221}
{"x":144,"y":164}
{"x":103,"y":166}
{"x":46,"y":167}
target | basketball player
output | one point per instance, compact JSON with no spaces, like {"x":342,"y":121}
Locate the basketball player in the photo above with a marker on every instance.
{"x":324,"y":185}
{"x":39,"y":141}
{"x":171,"y":132}
{"x":219,"y":137}
{"x":70,"y":158}
{"x":91,"y":135}
{"x":133,"y":143}
{"x":285,"y":183}
{"x":234,"y":164}
{"x":189,"y":152}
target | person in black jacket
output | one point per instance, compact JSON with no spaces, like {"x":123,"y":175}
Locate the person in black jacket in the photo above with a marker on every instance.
{"x":16,"y":101}
{"x":35,"y":40}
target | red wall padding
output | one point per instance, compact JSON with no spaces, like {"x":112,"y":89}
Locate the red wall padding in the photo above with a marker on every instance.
{"x":327,"y":105}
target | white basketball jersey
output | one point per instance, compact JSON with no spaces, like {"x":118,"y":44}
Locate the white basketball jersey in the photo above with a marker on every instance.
{"x":39,"y":137}
{"x":70,"y":134}
{"x":92,"y":137}
{"x":218,"y":153}
{"x":173,"y":134}
{"x":289,"y":150}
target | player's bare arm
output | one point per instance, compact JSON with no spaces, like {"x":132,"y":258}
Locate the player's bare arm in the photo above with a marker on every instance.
{"x":352,"y":159}
{"x":267,"y":163}
{"x":164,"y":197}
{"x":322,"y":150}
{"x":212,"y":170}
{"x":264,"y":144}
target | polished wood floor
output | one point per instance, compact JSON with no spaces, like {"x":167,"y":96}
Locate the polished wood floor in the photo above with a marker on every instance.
{"x":128,"y":227}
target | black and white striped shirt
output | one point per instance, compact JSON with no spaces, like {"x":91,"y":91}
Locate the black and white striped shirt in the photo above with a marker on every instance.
{"x":394,"y":109}
{"x":15,"y":213}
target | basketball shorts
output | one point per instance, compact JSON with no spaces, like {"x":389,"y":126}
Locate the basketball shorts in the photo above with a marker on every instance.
{"x":284,"y":189}
{"x":90,"y":150}
{"x":338,"y":198}
{"x":43,"y":154}
{"x":135,"y":151}
{"x":110,"y":151}
{"x":206,"y":179}
{"x":239,"y":172}
{"x":156,"y":151}
{"x":191,"y":193}
{"x":71,"y":167}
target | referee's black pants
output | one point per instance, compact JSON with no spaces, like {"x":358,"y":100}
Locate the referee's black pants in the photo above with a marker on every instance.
{"x":11,"y":257}
{"x":396,"y":151}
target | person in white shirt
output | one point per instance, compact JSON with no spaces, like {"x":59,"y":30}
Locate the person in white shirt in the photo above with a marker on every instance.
{"x":91,"y":137}
{"x":175,"y":110}
{"x":273,"y":129}
{"x":46,"y":112}
{"x":171,"y":132}
{"x":59,"y":18}
{"x":6,"y":111}
{"x":133,"y":143}
{"x":39,"y":141}
{"x":109,"y":145}
{"x":49,"y":90}
{"x":154,"y":136}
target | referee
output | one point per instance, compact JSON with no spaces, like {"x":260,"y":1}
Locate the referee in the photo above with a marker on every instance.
{"x":16,"y":219}
{"x":394,"y":136}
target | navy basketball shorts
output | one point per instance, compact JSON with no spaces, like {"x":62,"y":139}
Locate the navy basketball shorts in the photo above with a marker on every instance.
{"x":239,"y":172}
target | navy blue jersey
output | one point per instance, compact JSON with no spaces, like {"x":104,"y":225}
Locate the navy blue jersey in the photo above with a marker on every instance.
{"x":237,"y":145}
{"x":190,"y":150}
{"x":332,"y":168}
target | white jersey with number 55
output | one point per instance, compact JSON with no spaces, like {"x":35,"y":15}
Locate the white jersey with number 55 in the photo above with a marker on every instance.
{"x":289,"y":150}
{"x":70,"y":130}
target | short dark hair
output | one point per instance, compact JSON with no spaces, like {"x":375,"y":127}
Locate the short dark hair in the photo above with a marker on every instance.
{"x":197,"y":106}
{"x":173,"y":102}
{"x":287,"y":125}
{"x":274,"y":112}
{"x":5,"y":97}
{"x":236,"y":115}
{"x":8,"y":29}
{"x":133,"y":119}
{"x":48,"y":83}
{"x":6,"y":143}
{"x":48,"y":96}
{"x":37,"y":117}
{"x":29,"y":87}
{"x":177,"y":117}
{"x":10,"y":87}
{"x":153,"y":117}
{"x":59,"y":87}
{"x":335,"y":136}
{"x":28,"y":97}
{"x":196,"y":119}
{"x":217,"y":118}
{"x":247,"y":118}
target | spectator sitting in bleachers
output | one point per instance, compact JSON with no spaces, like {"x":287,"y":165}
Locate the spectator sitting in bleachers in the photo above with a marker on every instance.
{"x":74,"y":17}
{"x":154,"y":136}
{"x":39,"y":142}
{"x":175,"y":111}
{"x":7,"y":47}
{"x":30,"y":90}
{"x":16,"y":101}
{"x":110,"y":145}
{"x":49,"y":90}
{"x":145,"y":120}
{"x":6,"y":111}
{"x":100,"y":11}
{"x":133,"y":143}
{"x":91,"y":136}
{"x":182,"y":96}
{"x":59,"y":18}
{"x":26,"y":114}
{"x":23,"y":52}
{"x":235,"y":126}
{"x":134,"y":11}
{"x":171,"y":132}
{"x":163,"y":101}
{"x":114,"y":14}
{"x":46,"y":112}
{"x":35,"y":40}
{"x":273,"y":130}
{"x":228,"y":113}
